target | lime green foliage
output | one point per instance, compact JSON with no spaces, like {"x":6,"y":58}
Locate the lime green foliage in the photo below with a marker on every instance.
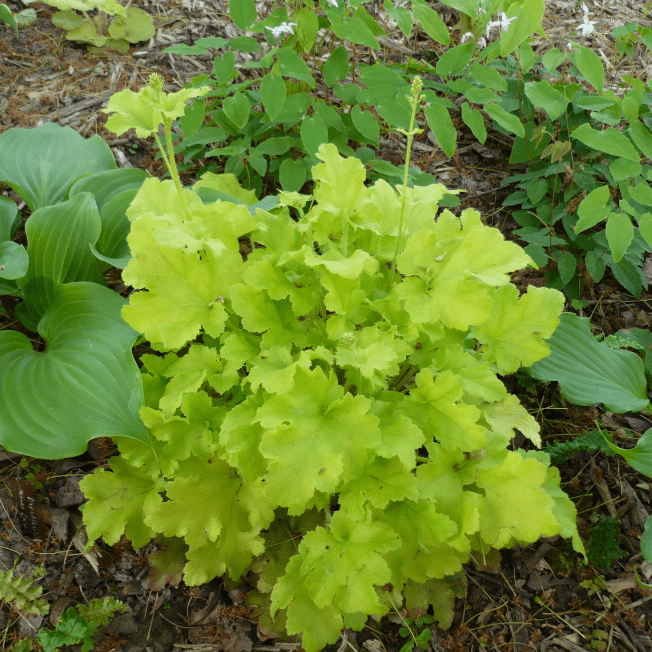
{"x":298,"y":381}
{"x":603,"y":548}
{"x":23,"y":593}
{"x":592,"y":442}
{"x":130,"y":25}
{"x":79,"y":624}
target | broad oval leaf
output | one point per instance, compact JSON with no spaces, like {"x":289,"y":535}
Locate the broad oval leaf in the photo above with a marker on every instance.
{"x":593,"y":208}
{"x":243,"y":13}
{"x":13,"y":260}
{"x":589,"y":372}
{"x":590,"y":65}
{"x":9,"y":218}
{"x":506,"y":120}
{"x":59,"y":239}
{"x":620,"y":233}
{"x":439,"y":120}
{"x":273,"y":92}
{"x":610,"y":141}
{"x":544,"y":96}
{"x":85,"y":385}
{"x":237,"y":109}
{"x":41,"y":164}
{"x":366,"y":124}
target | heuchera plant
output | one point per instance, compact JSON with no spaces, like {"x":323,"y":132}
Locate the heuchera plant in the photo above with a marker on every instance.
{"x":326,"y":410}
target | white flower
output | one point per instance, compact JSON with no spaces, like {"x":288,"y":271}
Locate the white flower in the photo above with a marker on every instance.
{"x":585,"y":9}
{"x":466,"y":37}
{"x":481,"y":11}
{"x":332,"y":3}
{"x":482,"y":43}
{"x":503,"y":24}
{"x":279,"y":30}
{"x":587,"y":26}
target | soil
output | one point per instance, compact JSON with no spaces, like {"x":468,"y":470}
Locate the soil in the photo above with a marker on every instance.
{"x":536,"y":598}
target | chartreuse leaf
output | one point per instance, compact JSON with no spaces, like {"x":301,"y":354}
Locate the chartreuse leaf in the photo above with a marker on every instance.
{"x":97,"y":392}
{"x":41,"y":164}
{"x":502,"y":525}
{"x":450,"y":272}
{"x":118,"y":501}
{"x":308,"y":439}
{"x":189,"y":273}
{"x":145,"y":111}
{"x":514,"y":336}
{"x":219,"y":516}
{"x":591,"y":372}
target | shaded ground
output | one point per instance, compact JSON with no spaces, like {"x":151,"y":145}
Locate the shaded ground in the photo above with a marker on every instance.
{"x":530,"y":598}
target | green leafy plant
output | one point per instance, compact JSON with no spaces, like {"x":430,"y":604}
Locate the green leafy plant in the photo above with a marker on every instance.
{"x":603,"y":547}
{"x":22,"y":592}
{"x":415,"y":628}
{"x":76,"y":230}
{"x":592,"y":441}
{"x":79,"y":624}
{"x":591,"y":372}
{"x":114,"y":27}
{"x":312,"y":91}
{"x":325,"y":410}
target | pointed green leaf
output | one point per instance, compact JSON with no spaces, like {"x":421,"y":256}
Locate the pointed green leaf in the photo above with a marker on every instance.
{"x":237,"y":109}
{"x":610,"y":141}
{"x":243,"y":13}
{"x":506,"y":120}
{"x":620,"y":233}
{"x":9,"y":218}
{"x":590,"y":372}
{"x":544,"y":96}
{"x":593,"y":208}
{"x":430,"y":22}
{"x":590,"y":65}
{"x":475,"y":122}
{"x":272,"y":92}
{"x":336,"y":66}
{"x":439,"y":120}
{"x":290,"y":64}
{"x":86,"y":383}
{"x":366,"y":124}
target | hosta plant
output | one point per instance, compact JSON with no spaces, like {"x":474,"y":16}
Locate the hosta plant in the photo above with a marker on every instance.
{"x":325,"y":410}
{"x":114,"y":27}
{"x":55,"y":287}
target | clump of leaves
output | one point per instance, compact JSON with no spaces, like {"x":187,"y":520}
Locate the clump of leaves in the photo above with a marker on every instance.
{"x":603,"y":548}
{"x":22,"y":592}
{"x":127,"y":25}
{"x":79,"y":624}
{"x":592,"y":441}
{"x":416,"y":629}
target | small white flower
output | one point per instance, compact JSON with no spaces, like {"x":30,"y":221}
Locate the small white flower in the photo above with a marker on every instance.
{"x":482,"y":43}
{"x":481,"y":11}
{"x":569,"y":45}
{"x":587,"y":26}
{"x":466,"y":37}
{"x":279,"y":30}
{"x":585,"y":9}
{"x":332,"y":3}
{"x":502,"y":24}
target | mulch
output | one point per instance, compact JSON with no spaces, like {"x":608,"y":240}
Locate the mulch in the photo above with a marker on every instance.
{"x":536,"y":598}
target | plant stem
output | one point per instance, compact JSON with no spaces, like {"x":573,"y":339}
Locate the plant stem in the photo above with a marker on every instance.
{"x":170,"y":163}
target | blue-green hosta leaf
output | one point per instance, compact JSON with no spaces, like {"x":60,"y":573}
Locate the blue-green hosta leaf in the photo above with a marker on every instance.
{"x":9,"y":218}
{"x":13,"y":260}
{"x":113,"y":191}
{"x":41,"y":164}
{"x":590,"y":372}
{"x":59,"y":239}
{"x":86,"y":383}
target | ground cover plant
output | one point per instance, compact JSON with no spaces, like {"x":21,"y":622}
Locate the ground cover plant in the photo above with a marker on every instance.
{"x":55,"y":287}
{"x":353,"y":349}
{"x":584,"y":209}
{"x":291,"y":337}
